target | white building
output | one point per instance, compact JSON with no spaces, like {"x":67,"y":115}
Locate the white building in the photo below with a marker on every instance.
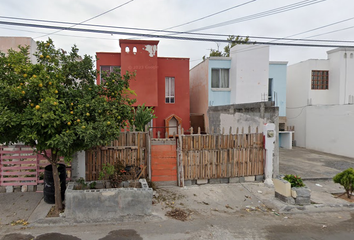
{"x":320,"y":97}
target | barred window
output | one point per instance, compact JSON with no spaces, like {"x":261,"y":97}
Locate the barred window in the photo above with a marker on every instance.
{"x":319,"y":80}
{"x":170,"y":90}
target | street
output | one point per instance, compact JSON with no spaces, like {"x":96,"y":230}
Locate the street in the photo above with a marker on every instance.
{"x":238,"y":225}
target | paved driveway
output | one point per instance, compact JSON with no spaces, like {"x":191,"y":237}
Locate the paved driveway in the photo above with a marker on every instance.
{"x":310,"y":164}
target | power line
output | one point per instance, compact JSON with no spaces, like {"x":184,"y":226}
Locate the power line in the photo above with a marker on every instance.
{"x":327,"y":25}
{"x":164,"y":36}
{"x":187,"y":33}
{"x":210,"y":15}
{"x":88,"y":19}
{"x":271,"y":12}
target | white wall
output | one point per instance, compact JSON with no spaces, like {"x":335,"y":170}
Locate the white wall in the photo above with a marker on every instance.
{"x":249,"y":73}
{"x":342,"y":73}
{"x":296,"y":100}
{"x":330,"y":129}
{"x":299,"y":95}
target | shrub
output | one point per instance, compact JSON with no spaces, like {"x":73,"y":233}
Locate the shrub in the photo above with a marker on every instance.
{"x":346,"y":179}
{"x":294,"y":180}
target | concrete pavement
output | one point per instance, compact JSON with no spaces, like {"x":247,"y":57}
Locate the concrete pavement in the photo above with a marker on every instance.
{"x":210,"y":201}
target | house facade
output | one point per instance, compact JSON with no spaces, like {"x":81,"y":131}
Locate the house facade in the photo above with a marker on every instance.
{"x":7,"y":43}
{"x":320,"y":98}
{"x":246,"y":76}
{"x":160,"y":82}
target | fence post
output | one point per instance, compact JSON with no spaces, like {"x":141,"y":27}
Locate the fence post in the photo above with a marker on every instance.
{"x":1,"y":148}
{"x":269,"y":145}
{"x":180,"y":172}
{"x":148,"y":149}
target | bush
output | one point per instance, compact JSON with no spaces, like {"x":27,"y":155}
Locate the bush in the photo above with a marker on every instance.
{"x":294,"y":180}
{"x":346,"y":179}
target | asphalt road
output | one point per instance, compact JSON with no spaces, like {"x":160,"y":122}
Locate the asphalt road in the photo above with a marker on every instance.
{"x":238,"y":225}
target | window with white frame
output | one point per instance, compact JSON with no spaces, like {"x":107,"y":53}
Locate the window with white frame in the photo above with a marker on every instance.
{"x":219,"y":78}
{"x":170,"y":90}
{"x":107,"y":69}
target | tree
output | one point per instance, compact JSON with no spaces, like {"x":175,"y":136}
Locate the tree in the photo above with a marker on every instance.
{"x":142,"y":116}
{"x":232,"y":41}
{"x":346,"y":179}
{"x":55,"y":104}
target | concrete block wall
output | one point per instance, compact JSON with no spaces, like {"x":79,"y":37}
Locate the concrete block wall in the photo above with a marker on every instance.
{"x":111,"y":203}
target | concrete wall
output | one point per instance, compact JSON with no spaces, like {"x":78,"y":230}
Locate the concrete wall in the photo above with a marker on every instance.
{"x":341,"y":61}
{"x":249,"y":73}
{"x":330,"y":129}
{"x":198,"y":89}
{"x":7,"y":43}
{"x":245,"y":115}
{"x":179,"y":69}
{"x":277,"y":72}
{"x":217,"y":96}
{"x":298,"y":95}
{"x":103,"y":204}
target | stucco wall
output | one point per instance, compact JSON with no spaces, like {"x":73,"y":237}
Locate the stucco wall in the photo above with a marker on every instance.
{"x":330,"y":129}
{"x":218,"y":97}
{"x":299,"y":95}
{"x":7,"y":43}
{"x":341,"y":80}
{"x":106,"y":59}
{"x":179,"y":69}
{"x":249,"y":73}
{"x":245,"y":115}
{"x":277,"y":72}
{"x":198,"y":87}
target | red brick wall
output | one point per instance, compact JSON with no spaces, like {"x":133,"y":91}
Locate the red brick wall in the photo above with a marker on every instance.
{"x":163,"y":163}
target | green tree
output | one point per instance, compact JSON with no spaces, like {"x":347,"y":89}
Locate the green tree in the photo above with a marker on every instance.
{"x":346,"y":179}
{"x":232,"y":41}
{"x":55,"y":104}
{"x":142,"y":116}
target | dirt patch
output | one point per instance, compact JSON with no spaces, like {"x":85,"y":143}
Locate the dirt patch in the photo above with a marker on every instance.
{"x":52,"y":212}
{"x":344,"y":197}
{"x":178,"y":214}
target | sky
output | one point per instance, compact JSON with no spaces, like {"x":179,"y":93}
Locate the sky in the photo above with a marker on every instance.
{"x":330,"y":20}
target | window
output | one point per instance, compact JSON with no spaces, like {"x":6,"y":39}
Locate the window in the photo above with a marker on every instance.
{"x":107,"y":69}
{"x":170,"y":90}
{"x":219,"y":78}
{"x":319,"y":79}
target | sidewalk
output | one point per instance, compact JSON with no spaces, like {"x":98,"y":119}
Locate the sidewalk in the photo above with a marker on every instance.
{"x":316,"y":168}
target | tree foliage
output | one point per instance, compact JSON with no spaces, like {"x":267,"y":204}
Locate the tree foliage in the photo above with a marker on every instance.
{"x":55,"y":104}
{"x":142,"y":116}
{"x":232,"y":41}
{"x":346,"y":179}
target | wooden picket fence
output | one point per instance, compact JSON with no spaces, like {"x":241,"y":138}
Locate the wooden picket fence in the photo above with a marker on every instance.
{"x":20,"y":165}
{"x":222,"y":155}
{"x":130,"y":148}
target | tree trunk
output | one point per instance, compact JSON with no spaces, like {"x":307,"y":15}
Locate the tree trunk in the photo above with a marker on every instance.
{"x":57,"y":187}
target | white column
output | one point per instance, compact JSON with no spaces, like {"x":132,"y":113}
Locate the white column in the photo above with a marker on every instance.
{"x":78,"y":169}
{"x":269,"y":134}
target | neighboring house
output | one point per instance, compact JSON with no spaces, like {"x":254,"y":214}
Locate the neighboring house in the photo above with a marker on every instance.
{"x":160,"y":82}
{"x":320,"y":97}
{"x":7,"y":43}
{"x":246,"y":76}
{"x":277,"y":89}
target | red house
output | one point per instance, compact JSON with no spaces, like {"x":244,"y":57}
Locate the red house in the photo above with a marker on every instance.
{"x":160,"y":82}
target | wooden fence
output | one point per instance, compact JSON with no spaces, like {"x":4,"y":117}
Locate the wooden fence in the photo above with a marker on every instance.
{"x":131,"y":148}
{"x":222,"y":155}
{"x":20,"y":165}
